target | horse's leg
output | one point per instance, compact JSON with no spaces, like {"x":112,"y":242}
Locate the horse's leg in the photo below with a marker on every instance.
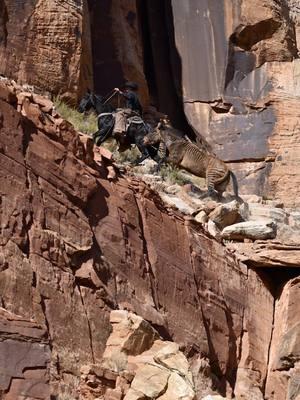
{"x":144,"y":151}
{"x":105,"y":130}
{"x":134,"y":136}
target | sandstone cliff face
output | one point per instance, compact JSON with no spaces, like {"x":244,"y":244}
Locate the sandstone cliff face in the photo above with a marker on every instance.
{"x":75,"y":245}
{"x":284,"y":374}
{"x":116,"y":45}
{"x":47,"y":44}
{"x":232,"y":66}
{"x":25,"y":358}
{"x":241,"y":87}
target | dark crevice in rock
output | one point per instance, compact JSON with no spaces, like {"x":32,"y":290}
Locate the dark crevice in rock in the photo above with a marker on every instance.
{"x":246,"y":36}
{"x":34,"y":281}
{"x":150,"y":272}
{"x":96,"y":207}
{"x":219,"y":382}
{"x":28,"y":130}
{"x":85,"y":282}
{"x":3,"y":23}
{"x":149,"y":68}
{"x":163,"y":332}
{"x":35,"y":368}
{"x":27,"y":219}
{"x":44,"y":309}
{"x":275,"y":278}
{"x":269,"y":351}
{"x":80,"y":257}
{"x":213,"y":356}
{"x":261,"y":265}
{"x":88,"y":324}
{"x":243,"y":330}
{"x":27,"y":222}
{"x":108,"y":71}
{"x":245,"y":160}
{"x":232,"y":361}
{"x":162,"y":62}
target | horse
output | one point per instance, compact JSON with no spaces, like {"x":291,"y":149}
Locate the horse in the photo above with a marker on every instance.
{"x":136,"y":130}
{"x":91,"y":100}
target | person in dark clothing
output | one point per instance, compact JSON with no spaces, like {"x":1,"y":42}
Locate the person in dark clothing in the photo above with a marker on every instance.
{"x":132,"y":99}
{"x":132,"y":107}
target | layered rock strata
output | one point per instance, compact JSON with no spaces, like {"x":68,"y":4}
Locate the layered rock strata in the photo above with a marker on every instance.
{"x":242,"y":95}
{"x":284,"y":372}
{"x":75,"y":245}
{"x":47,"y":44}
{"x":25,"y":358}
{"x":137,"y":364}
{"x":239,"y":89}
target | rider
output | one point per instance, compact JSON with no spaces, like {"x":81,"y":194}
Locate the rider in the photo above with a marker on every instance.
{"x":132,"y":107}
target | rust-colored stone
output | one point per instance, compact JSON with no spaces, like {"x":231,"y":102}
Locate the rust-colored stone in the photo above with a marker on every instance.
{"x":47,"y":44}
{"x":25,"y":357}
{"x":74,"y":246}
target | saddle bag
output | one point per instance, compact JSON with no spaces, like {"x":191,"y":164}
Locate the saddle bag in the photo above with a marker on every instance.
{"x":134,"y":120}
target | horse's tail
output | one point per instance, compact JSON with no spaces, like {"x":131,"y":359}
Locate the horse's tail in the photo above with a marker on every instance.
{"x":234,"y":184}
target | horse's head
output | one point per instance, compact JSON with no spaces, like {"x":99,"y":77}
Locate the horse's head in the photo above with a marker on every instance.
{"x":87,"y":102}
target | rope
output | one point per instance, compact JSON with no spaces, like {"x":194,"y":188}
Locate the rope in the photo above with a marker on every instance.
{"x":108,"y":94}
{"x":114,"y":93}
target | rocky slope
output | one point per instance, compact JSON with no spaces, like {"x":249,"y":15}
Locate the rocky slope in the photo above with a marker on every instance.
{"x":239,"y":90}
{"x":79,"y":240}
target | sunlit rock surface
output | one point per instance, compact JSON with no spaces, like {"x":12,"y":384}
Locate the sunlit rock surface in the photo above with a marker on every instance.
{"x":75,"y":245}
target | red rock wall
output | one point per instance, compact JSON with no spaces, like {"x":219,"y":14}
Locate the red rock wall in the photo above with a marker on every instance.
{"x":46,"y":44}
{"x":117,"y":45}
{"x":75,"y":245}
{"x":232,"y":64}
{"x":284,"y":373}
{"x":240,"y":87}
{"x":25,"y":358}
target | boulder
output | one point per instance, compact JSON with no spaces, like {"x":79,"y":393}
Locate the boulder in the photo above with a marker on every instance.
{"x":225,"y":214}
{"x":201,"y":217}
{"x":133,"y":394}
{"x":259,"y":212}
{"x":213,"y":230}
{"x":254,"y":230}
{"x":178,"y":389}
{"x":7,"y":93}
{"x":131,"y":335}
{"x":151,"y":380}
{"x":46,"y":104}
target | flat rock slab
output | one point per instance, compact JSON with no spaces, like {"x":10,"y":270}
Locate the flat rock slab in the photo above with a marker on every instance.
{"x":151,"y":380}
{"x":256,"y":230}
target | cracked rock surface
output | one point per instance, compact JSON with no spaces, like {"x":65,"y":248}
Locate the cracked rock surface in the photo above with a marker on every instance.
{"x":76,"y":245}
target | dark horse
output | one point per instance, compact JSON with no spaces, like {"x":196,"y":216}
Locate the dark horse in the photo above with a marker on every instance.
{"x":136,"y":131}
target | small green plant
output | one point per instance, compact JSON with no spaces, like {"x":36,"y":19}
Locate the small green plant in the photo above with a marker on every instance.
{"x":172,"y":175}
{"x":128,"y":156}
{"x":81,"y":122}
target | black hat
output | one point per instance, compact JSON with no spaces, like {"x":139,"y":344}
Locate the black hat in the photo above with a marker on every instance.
{"x":131,"y":85}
